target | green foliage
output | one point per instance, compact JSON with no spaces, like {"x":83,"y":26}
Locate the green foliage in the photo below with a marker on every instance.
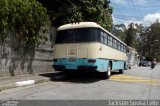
{"x":69,"y":11}
{"x":130,"y":36}
{"x":149,"y":40}
{"x":119,"y":31}
{"x":25,"y":18}
{"x":97,"y":11}
{"x":153,"y":40}
{"x":3,"y":19}
{"x":141,"y":38}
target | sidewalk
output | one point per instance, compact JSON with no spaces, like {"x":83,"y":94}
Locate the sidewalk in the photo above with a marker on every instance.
{"x":24,"y":80}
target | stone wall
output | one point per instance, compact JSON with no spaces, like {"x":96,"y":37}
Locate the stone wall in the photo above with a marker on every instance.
{"x":41,"y":63}
{"x":38,"y":61}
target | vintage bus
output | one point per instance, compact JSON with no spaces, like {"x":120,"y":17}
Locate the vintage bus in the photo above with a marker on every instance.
{"x":87,"y":46}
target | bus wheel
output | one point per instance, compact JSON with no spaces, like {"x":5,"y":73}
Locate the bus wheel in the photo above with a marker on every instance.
{"x":106,"y":75}
{"x":121,"y":71}
{"x":108,"y":72}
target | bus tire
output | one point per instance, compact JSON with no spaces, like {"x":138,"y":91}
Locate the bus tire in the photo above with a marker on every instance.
{"x":107,"y":74}
{"x":121,"y":71}
{"x":130,"y":67}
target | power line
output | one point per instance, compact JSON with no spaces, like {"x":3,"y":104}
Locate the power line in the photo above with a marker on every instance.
{"x":135,"y":10}
{"x":123,"y":18}
{"x":134,"y":7}
{"x":131,"y":19}
{"x":149,"y":6}
{"x":134,"y":13}
{"x":120,"y":12}
{"x":139,"y":9}
{"x":153,"y":6}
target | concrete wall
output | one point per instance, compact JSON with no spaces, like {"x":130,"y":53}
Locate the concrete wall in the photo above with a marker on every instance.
{"x":12,"y":61}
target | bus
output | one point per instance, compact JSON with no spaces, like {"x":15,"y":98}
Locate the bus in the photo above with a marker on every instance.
{"x":89,"y":47}
{"x":133,"y":57}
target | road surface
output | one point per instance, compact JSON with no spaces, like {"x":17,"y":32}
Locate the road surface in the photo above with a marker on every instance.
{"x":138,"y":83}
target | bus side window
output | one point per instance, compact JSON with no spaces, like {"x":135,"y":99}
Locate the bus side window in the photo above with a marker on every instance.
{"x":118,"y":45}
{"x":115,"y":46}
{"x":122,"y":47}
{"x":99,"y":35}
{"x":109,"y":40}
{"x":102,"y":38}
{"x":114,"y":43}
{"x":125,"y":49}
{"x":105,"y":37}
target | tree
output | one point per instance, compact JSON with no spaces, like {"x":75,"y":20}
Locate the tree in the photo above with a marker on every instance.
{"x":97,"y":11}
{"x":153,"y":40}
{"x":119,"y":31}
{"x":24,"y":26}
{"x":3,"y":19}
{"x":141,"y":39}
{"x":130,"y":36}
{"x":148,"y":40}
{"x":69,"y":11}
{"x":27,"y":18}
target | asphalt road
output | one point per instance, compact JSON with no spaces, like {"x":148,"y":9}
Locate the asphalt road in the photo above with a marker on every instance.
{"x":139,"y":83}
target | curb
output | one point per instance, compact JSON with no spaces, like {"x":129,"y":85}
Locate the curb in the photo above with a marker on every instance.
{"x":23,"y":83}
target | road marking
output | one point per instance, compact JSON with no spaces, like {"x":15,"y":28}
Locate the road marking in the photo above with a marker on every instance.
{"x":135,"y":79}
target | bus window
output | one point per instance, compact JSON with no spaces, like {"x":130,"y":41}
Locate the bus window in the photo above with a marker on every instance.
{"x":106,"y":38}
{"x":118,"y":45}
{"x":77,"y":35}
{"x":86,"y":35}
{"x":61,"y":38}
{"x":102,"y":33}
{"x":109,"y":40}
{"x":114,"y":43}
{"x":101,"y":39}
{"x":121,"y":47}
{"x":125,"y":49}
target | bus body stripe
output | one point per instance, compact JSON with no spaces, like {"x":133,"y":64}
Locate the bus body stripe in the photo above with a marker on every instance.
{"x":101,"y":64}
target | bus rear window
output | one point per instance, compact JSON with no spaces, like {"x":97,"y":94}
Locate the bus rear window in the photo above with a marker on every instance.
{"x":77,"y":35}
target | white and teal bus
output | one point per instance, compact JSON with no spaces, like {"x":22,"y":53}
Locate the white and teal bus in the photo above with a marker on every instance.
{"x":88,"y":46}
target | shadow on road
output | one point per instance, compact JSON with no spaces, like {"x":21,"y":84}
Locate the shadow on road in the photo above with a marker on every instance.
{"x":75,"y":77}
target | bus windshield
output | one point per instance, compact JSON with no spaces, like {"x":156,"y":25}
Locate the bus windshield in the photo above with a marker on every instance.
{"x":77,"y":35}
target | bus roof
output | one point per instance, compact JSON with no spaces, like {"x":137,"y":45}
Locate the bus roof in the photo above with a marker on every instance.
{"x":85,"y":25}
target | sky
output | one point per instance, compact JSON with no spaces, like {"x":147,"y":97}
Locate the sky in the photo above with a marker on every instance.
{"x":143,"y":12}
